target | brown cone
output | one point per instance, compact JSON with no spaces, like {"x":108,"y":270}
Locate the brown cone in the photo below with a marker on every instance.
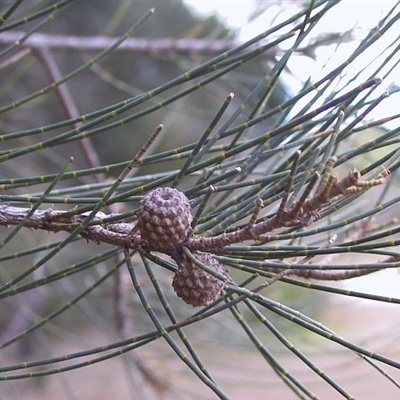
{"x":194,"y":285}
{"x":164,"y":218}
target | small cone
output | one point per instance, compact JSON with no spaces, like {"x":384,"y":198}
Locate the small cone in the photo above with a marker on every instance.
{"x":164,"y":219}
{"x":196,"y":286}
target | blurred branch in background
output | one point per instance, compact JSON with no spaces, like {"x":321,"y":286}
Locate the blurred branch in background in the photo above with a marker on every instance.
{"x":147,"y":46}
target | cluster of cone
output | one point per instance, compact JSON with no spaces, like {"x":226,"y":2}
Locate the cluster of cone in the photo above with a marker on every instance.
{"x":164,"y":222}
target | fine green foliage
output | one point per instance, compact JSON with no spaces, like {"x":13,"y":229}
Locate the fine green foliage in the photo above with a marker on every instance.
{"x":293,"y":193}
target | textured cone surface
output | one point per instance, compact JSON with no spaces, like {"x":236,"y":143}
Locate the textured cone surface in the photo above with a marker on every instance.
{"x":196,"y":286}
{"x":164,"y":218}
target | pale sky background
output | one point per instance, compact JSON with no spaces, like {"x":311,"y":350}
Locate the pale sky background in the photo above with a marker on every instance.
{"x":360,"y":16}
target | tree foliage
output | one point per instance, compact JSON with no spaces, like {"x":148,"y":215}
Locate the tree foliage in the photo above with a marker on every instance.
{"x":278,"y":197}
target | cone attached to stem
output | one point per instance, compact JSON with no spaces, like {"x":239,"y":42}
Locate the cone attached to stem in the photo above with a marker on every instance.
{"x":164,"y":219}
{"x":193,"y":284}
